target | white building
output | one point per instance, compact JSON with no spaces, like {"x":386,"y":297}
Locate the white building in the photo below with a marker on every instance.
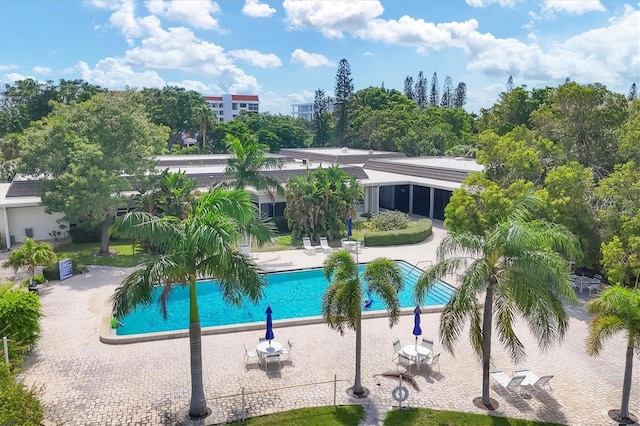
{"x":306,"y":110}
{"x":226,"y":107}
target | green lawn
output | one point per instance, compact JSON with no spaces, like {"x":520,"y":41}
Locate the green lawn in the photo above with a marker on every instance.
{"x":318,"y":416}
{"x":86,"y":253}
{"x":425,"y":416}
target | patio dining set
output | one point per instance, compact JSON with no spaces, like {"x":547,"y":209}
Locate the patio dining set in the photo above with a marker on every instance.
{"x":581,"y":282}
{"x":415,"y":355}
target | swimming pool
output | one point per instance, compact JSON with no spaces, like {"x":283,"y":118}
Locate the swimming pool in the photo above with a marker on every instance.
{"x":293,"y":294}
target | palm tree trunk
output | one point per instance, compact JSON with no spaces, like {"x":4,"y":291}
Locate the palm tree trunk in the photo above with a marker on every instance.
{"x":626,"y":386}
{"x":198,"y":405}
{"x":486,"y":343}
{"x":104,"y":236}
{"x":357,"y":384}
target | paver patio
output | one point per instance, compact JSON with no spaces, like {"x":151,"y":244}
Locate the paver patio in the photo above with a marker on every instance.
{"x":87,"y":382}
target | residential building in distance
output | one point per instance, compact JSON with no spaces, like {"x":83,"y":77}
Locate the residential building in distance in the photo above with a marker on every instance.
{"x":226,"y":107}
{"x":306,"y":110}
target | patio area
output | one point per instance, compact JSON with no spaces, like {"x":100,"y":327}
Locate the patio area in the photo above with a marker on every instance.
{"x":86,"y":382}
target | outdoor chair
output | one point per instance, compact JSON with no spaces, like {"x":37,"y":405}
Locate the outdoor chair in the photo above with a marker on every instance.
{"x":287,"y":351}
{"x":306,"y":245}
{"x":397,"y":349}
{"x":262,"y":339}
{"x":248,"y":355}
{"x":272,"y":359}
{"x":539,"y":384}
{"x":324,"y":245}
{"x":405,"y":361}
{"x":433,"y":360}
{"x":513,"y":385}
{"x":246,"y":250}
{"x":428,"y":343}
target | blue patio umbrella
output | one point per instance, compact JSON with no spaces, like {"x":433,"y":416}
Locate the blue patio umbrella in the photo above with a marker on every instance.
{"x":417,"y":331}
{"x":350,"y":227}
{"x":269,"y":335}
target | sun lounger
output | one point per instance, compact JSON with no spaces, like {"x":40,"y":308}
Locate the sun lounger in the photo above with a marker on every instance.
{"x":539,"y":384}
{"x":306,"y":245}
{"x":324,"y":245}
{"x":513,"y":385}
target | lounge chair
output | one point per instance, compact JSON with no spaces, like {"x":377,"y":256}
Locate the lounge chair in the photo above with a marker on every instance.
{"x":539,"y":384}
{"x":246,"y":250}
{"x":513,"y":385}
{"x":324,"y":245}
{"x":306,"y":245}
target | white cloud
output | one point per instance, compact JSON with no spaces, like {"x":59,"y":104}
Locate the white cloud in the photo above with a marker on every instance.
{"x":8,"y":67}
{"x":255,"y":9}
{"x":483,"y":3}
{"x":301,"y":97}
{"x":12,"y":77}
{"x":310,"y":60}
{"x":573,"y":7}
{"x":124,"y":18}
{"x":113,"y":74}
{"x":255,"y":58}
{"x":197,"y":86}
{"x":332,"y":18}
{"x":42,"y":70}
{"x":367,"y":53}
{"x":195,"y":13}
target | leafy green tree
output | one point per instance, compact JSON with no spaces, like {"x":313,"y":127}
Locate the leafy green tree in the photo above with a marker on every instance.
{"x":204,"y":244}
{"x":447,"y":93}
{"x":629,"y":135}
{"x":343,"y":92}
{"x":512,"y":110}
{"x":29,"y":255}
{"x":278,"y":131}
{"x":518,"y":266}
{"x":460,"y":95}
{"x":319,"y":203}
{"x":616,"y":309}
{"x":342,"y":302}
{"x":174,"y":194}
{"x":85,"y":149}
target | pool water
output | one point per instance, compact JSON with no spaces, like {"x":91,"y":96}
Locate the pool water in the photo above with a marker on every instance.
{"x":294,"y":294}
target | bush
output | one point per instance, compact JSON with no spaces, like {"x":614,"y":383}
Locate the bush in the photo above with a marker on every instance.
{"x":37,"y":279}
{"x":20,"y":406}
{"x":82,"y":235}
{"x":415,"y":233}
{"x":281,"y":224}
{"x":19,"y":321}
{"x":51,"y":273}
{"x":390,"y":220}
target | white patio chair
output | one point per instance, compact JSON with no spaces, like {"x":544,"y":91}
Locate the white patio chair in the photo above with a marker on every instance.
{"x":594,"y":285}
{"x":262,"y":339}
{"x":306,"y":245}
{"x":324,"y":245}
{"x":272,"y":359}
{"x":513,"y":385}
{"x":428,"y":343}
{"x":397,"y":349}
{"x":405,"y":361}
{"x":287,"y":351}
{"x":433,"y":360}
{"x":248,"y":355}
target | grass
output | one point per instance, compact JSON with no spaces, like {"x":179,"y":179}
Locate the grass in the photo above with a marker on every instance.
{"x":425,"y":416}
{"x":127,"y":254}
{"x":316,"y":416}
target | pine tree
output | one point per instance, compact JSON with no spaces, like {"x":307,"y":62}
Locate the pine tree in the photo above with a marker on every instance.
{"x":567,"y":80}
{"x":510,"y":84}
{"x":321,"y":118}
{"x":421,"y":90}
{"x":447,"y":93}
{"x":343,"y":92}
{"x":633,"y":93}
{"x":460,"y":97}
{"x":408,"y":87}
{"x":434,"y":97}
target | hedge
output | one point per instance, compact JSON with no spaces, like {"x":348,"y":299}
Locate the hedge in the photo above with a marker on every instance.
{"x":415,"y":233}
{"x":19,"y":405}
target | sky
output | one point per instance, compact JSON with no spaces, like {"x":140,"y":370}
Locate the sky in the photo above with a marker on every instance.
{"x":285,"y":50}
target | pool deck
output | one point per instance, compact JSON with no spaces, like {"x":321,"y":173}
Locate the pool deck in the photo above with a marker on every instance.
{"x":86,"y":382}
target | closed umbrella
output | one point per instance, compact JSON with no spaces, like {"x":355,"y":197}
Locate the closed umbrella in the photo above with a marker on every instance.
{"x":350,"y":227}
{"x":417,"y":331}
{"x":269,"y":334}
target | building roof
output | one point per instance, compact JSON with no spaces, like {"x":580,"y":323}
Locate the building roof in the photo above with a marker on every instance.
{"x":252,"y":98}
{"x":440,"y":168}
{"x":204,"y":160}
{"x":212,"y":98}
{"x":339,"y":155}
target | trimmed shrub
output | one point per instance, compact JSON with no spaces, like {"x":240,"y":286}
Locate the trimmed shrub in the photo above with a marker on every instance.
{"x":37,"y":279}
{"x":390,"y":220}
{"x":415,"y":233}
{"x":51,"y":273}
{"x":82,"y":235}
{"x":19,"y":321}
{"x":20,"y":406}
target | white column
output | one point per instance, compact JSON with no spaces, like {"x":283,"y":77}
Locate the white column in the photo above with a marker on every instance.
{"x":5,"y":220}
{"x":431,"y":191}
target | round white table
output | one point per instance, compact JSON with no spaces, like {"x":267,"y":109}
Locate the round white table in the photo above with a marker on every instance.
{"x":264,"y":348}
{"x":419,"y":351}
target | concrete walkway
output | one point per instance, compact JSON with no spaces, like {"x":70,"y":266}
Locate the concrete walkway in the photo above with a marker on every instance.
{"x":86,"y":382}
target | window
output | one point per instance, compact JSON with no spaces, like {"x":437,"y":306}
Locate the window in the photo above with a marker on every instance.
{"x":221,"y":120}
{"x":234,"y":106}
{"x":253,"y":107}
{"x":243,"y":105}
{"x":213,"y":105}
{"x":221,"y":106}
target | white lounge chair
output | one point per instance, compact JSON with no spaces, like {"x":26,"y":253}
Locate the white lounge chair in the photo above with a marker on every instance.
{"x":513,"y":385}
{"x":306,"y":245}
{"x":324,"y":245}
{"x":539,"y":384}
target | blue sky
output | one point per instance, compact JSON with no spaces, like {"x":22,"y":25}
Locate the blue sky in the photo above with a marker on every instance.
{"x":285,"y":50}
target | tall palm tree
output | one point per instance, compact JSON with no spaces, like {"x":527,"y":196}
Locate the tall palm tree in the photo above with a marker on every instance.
{"x":203,"y":244}
{"x":616,"y":309}
{"x":519,"y":267}
{"x":342,"y":302}
{"x":29,"y":255}
{"x":205,"y":118}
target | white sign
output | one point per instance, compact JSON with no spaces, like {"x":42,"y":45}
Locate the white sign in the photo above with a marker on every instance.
{"x":66,"y":269}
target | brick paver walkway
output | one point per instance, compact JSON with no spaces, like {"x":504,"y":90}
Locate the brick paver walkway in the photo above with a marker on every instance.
{"x":90,"y":383}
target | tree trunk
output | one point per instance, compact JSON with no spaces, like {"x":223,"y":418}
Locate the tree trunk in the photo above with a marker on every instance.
{"x":626,"y":384}
{"x":357,"y":384}
{"x":104,"y":236}
{"x":486,"y":343}
{"x":198,"y":405}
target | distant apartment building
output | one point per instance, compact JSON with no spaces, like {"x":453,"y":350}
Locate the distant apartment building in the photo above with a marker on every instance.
{"x":226,"y":107}
{"x":306,"y":110}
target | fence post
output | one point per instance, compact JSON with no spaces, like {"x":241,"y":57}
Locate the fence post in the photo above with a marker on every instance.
{"x":335,"y":386}
{"x":244,"y":413}
{"x":5,"y":346}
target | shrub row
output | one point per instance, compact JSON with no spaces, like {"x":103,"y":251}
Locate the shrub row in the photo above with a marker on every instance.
{"x":413,"y":234}
{"x":52,"y":273}
{"x":19,"y":405}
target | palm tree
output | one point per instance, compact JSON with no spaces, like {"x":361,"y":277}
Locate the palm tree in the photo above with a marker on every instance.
{"x":519,"y":267}
{"x":203,"y":244}
{"x":342,"y":302}
{"x":204,"y":117}
{"x":616,"y":309}
{"x":30,"y":254}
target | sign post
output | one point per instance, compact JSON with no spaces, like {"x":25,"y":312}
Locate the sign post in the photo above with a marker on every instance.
{"x":66,"y":269}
